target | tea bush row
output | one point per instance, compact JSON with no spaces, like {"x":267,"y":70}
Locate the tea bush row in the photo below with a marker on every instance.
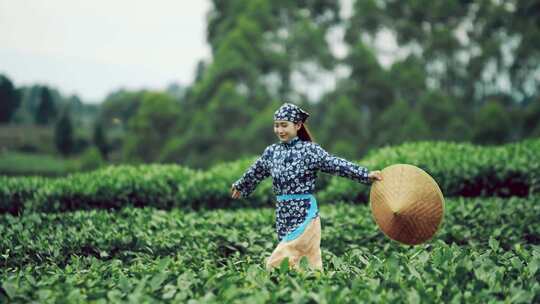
{"x":36,"y":238}
{"x":481,"y":254}
{"x":460,"y":170}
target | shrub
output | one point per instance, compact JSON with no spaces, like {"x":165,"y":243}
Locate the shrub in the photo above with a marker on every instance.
{"x":459,"y":169}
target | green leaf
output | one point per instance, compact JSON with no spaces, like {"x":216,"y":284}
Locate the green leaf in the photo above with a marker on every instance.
{"x":11,"y":289}
{"x":304,"y":263}
{"x":169,"y":291}
{"x":533,"y":266}
{"x":124,"y":284}
{"x":163,"y":264}
{"x":284,"y":265}
{"x":493,"y":244}
{"x":157,"y":280}
{"x":413,"y":296}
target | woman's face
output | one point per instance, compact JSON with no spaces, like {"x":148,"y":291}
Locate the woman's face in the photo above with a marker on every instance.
{"x":286,"y":130}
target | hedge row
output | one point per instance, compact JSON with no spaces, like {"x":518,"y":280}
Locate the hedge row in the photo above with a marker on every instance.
{"x":460,"y":170}
{"x":160,"y":186}
{"x":486,"y":251}
{"x":36,"y":238}
{"x":15,"y":191}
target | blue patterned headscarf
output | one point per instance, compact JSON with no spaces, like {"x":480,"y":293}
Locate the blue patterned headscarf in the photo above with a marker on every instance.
{"x":290,"y":112}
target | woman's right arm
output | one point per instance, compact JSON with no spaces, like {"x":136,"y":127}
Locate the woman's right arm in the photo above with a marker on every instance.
{"x":258,"y":171}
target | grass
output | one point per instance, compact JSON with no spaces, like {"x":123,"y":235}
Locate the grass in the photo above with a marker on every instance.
{"x":20,"y":164}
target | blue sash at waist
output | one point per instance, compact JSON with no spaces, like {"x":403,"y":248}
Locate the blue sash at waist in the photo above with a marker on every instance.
{"x":311,"y":214}
{"x":285,"y":197}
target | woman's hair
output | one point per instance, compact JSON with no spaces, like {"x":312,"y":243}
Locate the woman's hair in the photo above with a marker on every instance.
{"x":304,"y":134}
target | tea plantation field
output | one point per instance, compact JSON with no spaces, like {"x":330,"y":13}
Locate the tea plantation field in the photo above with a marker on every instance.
{"x":487,"y":250}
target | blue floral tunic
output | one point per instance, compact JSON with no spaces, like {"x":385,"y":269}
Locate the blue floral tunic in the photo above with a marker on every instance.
{"x":293,"y":166}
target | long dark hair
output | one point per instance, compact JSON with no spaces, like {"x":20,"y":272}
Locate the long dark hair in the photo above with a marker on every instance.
{"x":304,"y":134}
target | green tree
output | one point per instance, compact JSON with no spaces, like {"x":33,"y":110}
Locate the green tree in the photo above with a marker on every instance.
{"x":441,"y":115}
{"x":491,"y":124}
{"x":400,"y":123}
{"x":46,"y":111}
{"x":64,"y":134}
{"x":343,"y":128}
{"x":464,"y":53}
{"x":468,"y":48}
{"x":369,"y":84}
{"x":100,"y":140}
{"x":9,"y":99}
{"x":257,"y":47}
{"x":91,"y":159}
{"x":370,"y":91}
{"x":151,"y":127}
{"x":532,"y":119}
{"x":119,"y":107}
{"x":213,"y":132}
{"x":408,"y":79}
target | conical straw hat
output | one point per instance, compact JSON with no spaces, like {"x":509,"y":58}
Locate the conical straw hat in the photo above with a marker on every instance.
{"x":407,"y":204}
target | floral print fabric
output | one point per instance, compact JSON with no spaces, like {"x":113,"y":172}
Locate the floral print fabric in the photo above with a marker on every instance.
{"x":290,"y":214}
{"x":294,"y":166}
{"x":290,"y":112}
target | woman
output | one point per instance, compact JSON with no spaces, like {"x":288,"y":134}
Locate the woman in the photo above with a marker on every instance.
{"x":293,"y":164}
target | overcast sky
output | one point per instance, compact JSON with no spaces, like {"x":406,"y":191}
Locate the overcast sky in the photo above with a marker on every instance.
{"x":91,"y":48}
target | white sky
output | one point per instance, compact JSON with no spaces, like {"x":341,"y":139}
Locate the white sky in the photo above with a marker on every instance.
{"x":91,"y":48}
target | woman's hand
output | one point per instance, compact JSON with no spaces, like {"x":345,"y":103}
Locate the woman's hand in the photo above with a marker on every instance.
{"x":375,"y":175}
{"x":235,"y":193}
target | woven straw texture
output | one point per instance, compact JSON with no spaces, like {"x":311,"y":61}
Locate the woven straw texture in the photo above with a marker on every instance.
{"x":407,"y":204}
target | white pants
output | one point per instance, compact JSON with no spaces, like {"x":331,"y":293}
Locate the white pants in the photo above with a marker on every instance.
{"x":308,"y":244}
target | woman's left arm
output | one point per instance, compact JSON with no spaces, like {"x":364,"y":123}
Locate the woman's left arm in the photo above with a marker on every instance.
{"x":334,"y":165}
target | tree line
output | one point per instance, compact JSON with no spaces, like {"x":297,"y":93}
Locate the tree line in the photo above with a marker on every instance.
{"x":460,"y":71}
